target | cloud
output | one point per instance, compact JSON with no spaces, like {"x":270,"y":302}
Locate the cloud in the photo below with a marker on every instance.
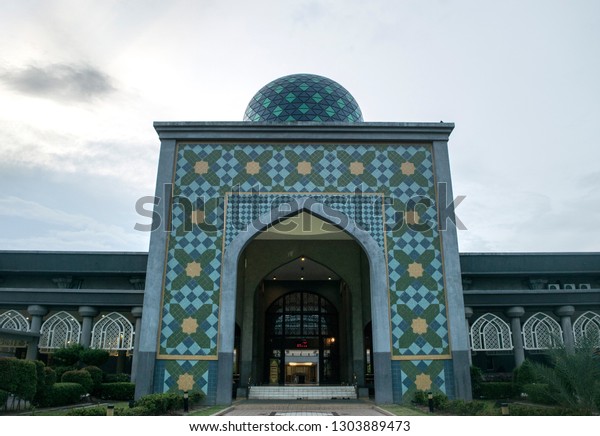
{"x":46,"y":228}
{"x":59,"y":81}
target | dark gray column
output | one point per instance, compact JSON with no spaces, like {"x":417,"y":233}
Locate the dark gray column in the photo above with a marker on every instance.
{"x":37,"y":313}
{"x":358,"y":345}
{"x":515,"y":313}
{"x":448,"y":224}
{"x":565,"y":313}
{"x":155,"y":271}
{"x":137,"y":314}
{"x":87,"y":313}
{"x":247,"y":331}
{"x":468,"y":315}
{"x":121,"y":357}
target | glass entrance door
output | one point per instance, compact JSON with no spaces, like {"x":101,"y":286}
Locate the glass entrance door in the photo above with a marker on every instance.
{"x":301,"y":340}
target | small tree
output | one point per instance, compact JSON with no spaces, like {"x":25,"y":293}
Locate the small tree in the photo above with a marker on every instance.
{"x":573,"y":379}
{"x":67,"y":356}
{"x":93,"y":357}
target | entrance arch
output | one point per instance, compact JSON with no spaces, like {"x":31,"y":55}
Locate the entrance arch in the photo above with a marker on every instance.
{"x":380,"y":309}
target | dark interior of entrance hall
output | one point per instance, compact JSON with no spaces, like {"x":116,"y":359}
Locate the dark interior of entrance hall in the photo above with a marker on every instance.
{"x":303,"y":311}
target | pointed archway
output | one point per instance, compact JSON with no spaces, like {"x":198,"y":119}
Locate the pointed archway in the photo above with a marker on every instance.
{"x":380,"y":309}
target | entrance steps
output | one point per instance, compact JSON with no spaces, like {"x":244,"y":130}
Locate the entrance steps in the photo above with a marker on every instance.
{"x":297,"y":392}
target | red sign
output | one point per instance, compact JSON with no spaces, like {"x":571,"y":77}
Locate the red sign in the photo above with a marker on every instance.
{"x":302,"y":344}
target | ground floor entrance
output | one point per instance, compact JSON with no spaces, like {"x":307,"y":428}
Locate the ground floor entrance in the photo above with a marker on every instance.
{"x":302,"y":340}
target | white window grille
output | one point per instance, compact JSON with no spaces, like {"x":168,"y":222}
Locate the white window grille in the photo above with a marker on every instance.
{"x":13,"y":320}
{"x":587,"y":324}
{"x":490,"y":333}
{"x":541,"y":332}
{"x":60,"y":330}
{"x":113,"y":332}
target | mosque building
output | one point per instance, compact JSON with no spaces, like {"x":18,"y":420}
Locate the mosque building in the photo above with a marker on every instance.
{"x":301,"y":247}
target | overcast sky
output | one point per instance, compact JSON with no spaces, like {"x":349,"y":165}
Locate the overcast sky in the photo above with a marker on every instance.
{"x":81,"y":83}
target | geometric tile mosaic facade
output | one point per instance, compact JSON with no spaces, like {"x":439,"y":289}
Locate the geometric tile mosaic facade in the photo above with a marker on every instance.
{"x":218,"y":188}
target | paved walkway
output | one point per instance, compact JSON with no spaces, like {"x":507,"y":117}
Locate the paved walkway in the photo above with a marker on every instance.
{"x":304,"y":408}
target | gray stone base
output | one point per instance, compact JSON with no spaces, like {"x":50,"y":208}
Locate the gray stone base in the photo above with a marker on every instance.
{"x":225,"y":379}
{"x":383,"y":378}
{"x":462,"y":375}
{"x":144,"y":380}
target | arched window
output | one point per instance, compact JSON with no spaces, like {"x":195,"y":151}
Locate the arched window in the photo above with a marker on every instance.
{"x":13,"y":320}
{"x":113,"y":332}
{"x":541,"y":332}
{"x":490,"y":333}
{"x":60,"y":330}
{"x":587,"y":324}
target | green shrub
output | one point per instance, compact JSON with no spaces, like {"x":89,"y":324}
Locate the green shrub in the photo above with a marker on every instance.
{"x":497,"y":390}
{"x":421,"y":397}
{"x":465,"y":408}
{"x":122,"y":391}
{"x":96,"y":374}
{"x":539,"y":393}
{"x":116,"y":378}
{"x":19,"y":377}
{"x":476,"y":381}
{"x":93,"y":357}
{"x":49,"y":379}
{"x":159,"y":404}
{"x":3,"y":397}
{"x":88,"y":411}
{"x":132,"y":411}
{"x":60,"y":370}
{"x":80,"y":376}
{"x":49,"y":376}
{"x":524,"y":410}
{"x":524,"y":375}
{"x":62,"y":394}
{"x":67,"y":356}
{"x":196,"y":396}
{"x":41,"y":387}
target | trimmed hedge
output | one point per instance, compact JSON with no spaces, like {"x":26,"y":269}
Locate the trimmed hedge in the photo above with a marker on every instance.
{"x":539,"y":393}
{"x":133,"y":411}
{"x":80,"y":376}
{"x":96,"y":374}
{"x":19,"y":377}
{"x":50,"y":376}
{"x":122,"y":391}
{"x":476,"y":381}
{"x":3,"y":397}
{"x":439,"y":400}
{"x":522,"y":410}
{"x":116,"y":378}
{"x":497,"y":390}
{"x":60,"y":370}
{"x":88,"y":411}
{"x":465,"y":408}
{"x":160,"y":404}
{"x":63,"y":394}
{"x":46,"y":377}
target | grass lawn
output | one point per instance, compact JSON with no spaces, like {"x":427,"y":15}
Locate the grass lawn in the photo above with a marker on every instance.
{"x":403,"y":410}
{"x":206,"y":411}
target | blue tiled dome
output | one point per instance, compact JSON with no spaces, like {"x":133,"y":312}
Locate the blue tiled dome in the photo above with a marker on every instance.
{"x":303,"y":97}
